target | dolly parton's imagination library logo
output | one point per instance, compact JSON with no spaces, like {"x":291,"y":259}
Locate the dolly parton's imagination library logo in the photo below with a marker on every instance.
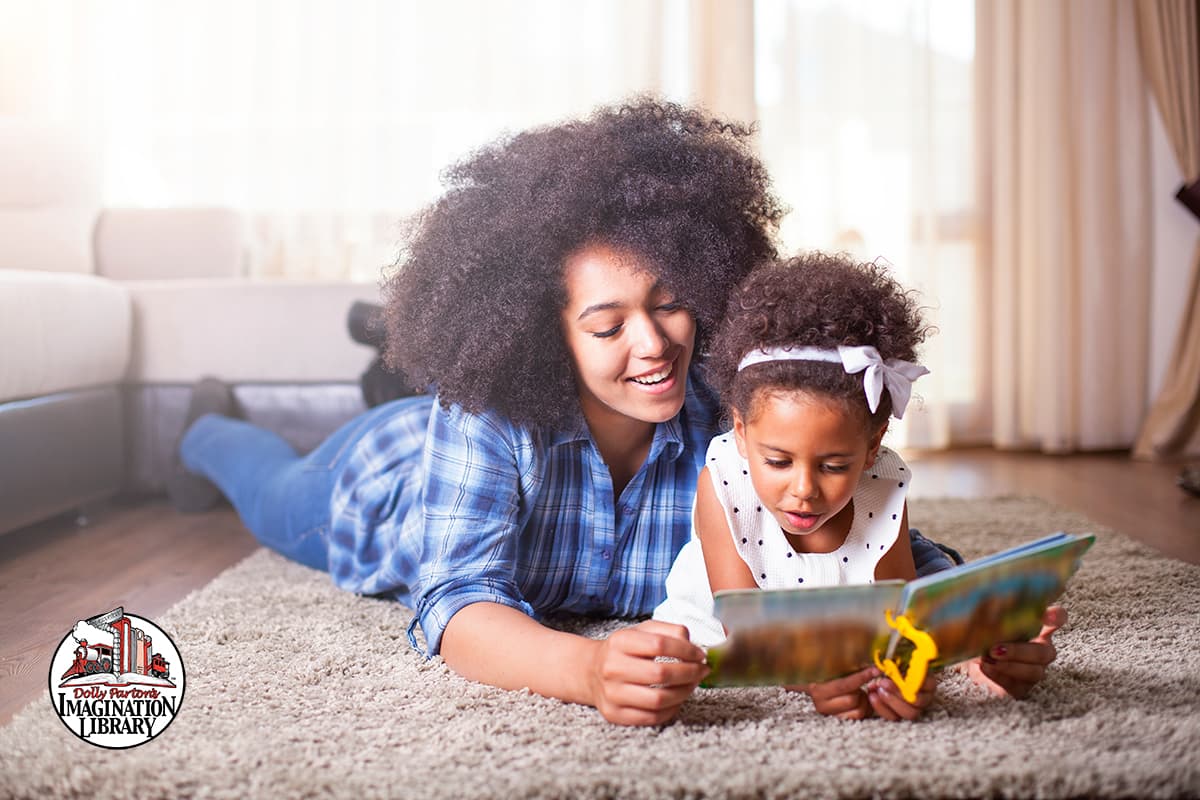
{"x":116,"y":680}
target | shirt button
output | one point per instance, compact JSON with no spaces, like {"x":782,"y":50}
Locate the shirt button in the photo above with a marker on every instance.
{"x":605,"y":554}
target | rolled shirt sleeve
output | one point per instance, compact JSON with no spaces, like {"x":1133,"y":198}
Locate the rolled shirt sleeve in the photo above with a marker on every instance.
{"x":472,"y":507}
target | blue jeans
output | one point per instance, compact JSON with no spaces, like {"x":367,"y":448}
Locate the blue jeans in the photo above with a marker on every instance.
{"x":281,"y":496}
{"x":929,"y":556}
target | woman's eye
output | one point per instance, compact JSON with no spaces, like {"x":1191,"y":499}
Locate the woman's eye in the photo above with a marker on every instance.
{"x":674,"y":305}
{"x":605,"y":334}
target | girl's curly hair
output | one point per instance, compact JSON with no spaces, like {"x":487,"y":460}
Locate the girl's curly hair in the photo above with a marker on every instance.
{"x":814,"y":300}
{"x":473,"y":304}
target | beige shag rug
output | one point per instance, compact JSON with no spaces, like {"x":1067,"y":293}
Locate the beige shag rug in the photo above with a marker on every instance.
{"x":296,"y":689}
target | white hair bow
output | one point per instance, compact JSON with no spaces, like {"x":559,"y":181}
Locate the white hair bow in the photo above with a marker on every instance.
{"x":896,"y":375}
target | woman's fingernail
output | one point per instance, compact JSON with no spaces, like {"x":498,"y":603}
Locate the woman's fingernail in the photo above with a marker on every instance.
{"x":999,"y":650}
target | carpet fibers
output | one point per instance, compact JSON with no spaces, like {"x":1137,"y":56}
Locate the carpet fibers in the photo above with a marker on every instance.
{"x":296,"y":689}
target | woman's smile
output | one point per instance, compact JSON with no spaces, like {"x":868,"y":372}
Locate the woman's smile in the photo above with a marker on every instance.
{"x":657,"y":381}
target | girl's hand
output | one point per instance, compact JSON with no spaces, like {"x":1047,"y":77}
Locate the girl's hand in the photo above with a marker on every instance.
{"x":1014,"y":668}
{"x":843,"y":697}
{"x":629,"y":687}
{"x":887,"y":702}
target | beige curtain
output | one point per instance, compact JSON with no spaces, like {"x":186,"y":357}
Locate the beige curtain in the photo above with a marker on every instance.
{"x":1066,"y":234}
{"x":1169,"y":34}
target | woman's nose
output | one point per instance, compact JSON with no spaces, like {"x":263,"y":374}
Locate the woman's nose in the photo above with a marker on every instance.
{"x":650,"y":341}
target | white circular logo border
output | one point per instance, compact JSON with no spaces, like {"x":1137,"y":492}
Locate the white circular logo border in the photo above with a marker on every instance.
{"x":66,"y":655}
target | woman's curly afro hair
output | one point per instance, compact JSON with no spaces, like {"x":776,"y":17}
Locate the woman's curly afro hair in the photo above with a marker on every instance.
{"x":814,"y":300}
{"x":473,"y":304}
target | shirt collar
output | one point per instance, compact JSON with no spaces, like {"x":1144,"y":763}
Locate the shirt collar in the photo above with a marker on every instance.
{"x":573,"y":432}
{"x":668,"y":437}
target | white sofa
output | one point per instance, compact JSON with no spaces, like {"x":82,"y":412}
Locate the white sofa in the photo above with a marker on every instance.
{"x":108,"y":315}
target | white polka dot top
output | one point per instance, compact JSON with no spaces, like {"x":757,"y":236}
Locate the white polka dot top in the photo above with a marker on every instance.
{"x":878,"y":509}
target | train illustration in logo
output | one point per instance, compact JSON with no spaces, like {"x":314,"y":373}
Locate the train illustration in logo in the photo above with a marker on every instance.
{"x":130,"y":652}
{"x":89,"y":659}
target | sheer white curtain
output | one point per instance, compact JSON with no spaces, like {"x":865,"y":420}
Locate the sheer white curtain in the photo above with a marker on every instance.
{"x":325,"y":121}
{"x":866,"y":110}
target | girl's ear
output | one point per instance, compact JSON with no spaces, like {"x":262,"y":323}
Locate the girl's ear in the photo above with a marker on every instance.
{"x":874,"y":445}
{"x":739,"y":433}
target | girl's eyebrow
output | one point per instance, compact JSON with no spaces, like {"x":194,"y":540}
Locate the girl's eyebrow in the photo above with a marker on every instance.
{"x":788,"y":453}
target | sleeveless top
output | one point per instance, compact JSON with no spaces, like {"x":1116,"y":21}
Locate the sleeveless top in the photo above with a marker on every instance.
{"x":761,"y":543}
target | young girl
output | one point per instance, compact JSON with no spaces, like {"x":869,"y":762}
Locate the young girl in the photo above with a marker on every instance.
{"x":814,"y":356}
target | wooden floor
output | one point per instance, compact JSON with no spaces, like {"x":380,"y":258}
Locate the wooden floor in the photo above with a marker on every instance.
{"x":146,"y":557}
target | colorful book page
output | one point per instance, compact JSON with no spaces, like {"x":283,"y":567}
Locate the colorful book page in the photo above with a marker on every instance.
{"x":1000,"y":598}
{"x":797,"y":636}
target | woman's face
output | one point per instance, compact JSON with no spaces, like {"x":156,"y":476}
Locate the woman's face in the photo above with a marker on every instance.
{"x":630,"y":341}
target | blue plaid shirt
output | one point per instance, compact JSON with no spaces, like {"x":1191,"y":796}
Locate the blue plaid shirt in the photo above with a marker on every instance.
{"x":442,"y":508}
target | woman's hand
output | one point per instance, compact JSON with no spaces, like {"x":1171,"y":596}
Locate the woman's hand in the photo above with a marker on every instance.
{"x":629,"y":687}
{"x":1014,"y":668}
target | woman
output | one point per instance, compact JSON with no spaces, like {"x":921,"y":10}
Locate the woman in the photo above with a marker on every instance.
{"x":557,"y":296}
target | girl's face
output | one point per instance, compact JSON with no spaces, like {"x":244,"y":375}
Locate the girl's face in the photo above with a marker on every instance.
{"x":806,"y":454}
{"x":630,"y":341}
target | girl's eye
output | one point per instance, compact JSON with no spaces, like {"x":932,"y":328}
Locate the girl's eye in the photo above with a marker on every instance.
{"x":605,"y":334}
{"x":674,"y":305}
{"x":776,"y":463}
{"x":836,"y":468}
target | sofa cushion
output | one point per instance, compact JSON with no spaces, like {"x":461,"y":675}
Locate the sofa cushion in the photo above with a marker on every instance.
{"x":245,"y":331}
{"x":51,"y":239}
{"x":153,"y":243}
{"x":61,"y":331}
{"x":49,"y":196}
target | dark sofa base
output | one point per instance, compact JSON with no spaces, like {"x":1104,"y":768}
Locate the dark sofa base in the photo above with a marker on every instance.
{"x":63,"y":451}
{"x":59,"y":452}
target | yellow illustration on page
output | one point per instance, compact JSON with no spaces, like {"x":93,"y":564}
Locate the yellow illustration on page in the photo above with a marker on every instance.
{"x":918,"y":664}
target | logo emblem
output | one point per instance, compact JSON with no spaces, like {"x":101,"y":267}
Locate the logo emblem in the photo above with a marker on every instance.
{"x":116,"y":680}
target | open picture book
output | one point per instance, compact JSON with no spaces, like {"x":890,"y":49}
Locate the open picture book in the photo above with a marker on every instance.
{"x":807,"y":635}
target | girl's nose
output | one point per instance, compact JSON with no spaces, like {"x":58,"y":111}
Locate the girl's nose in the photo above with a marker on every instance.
{"x":804,"y":487}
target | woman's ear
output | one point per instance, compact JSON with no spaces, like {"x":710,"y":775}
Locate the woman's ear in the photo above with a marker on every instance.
{"x":739,"y":433}
{"x":874,"y":445}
